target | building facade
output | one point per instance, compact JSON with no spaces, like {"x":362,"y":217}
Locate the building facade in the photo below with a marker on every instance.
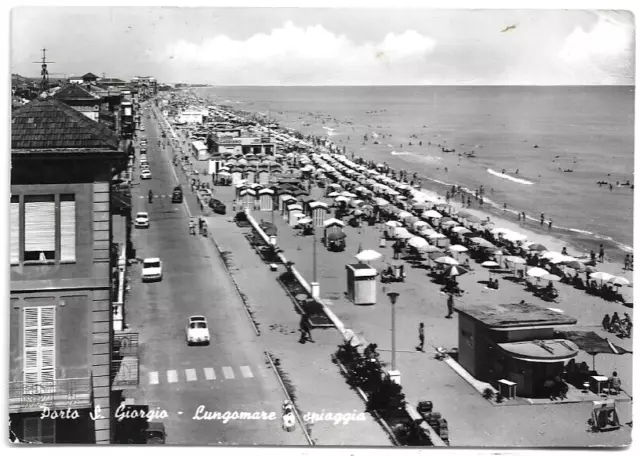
{"x":61,"y":273}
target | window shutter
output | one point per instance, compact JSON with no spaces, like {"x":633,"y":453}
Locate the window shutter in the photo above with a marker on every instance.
{"x":39,"y":226}
{"x":14,"y":230}
{"x":67,"y":230}
{"x":39,"y":345}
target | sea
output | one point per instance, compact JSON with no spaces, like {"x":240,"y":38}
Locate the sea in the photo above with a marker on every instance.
{"x":536,"y":149}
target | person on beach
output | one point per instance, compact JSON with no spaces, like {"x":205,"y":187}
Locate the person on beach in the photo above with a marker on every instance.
{"x":627,"y":261}
{"x":420,"y":346}
{"x":504,"y":207}
{"x":542,"y":219}
{"x":481,"y":201}
{"x":519,"y":215}
{"x":550,"y":224}
{"x":450,"y":306}
{"x":564,"y":251}
{"x":601,"y":254}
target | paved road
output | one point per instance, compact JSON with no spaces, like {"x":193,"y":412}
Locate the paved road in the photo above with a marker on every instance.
{"x":229,"y":375}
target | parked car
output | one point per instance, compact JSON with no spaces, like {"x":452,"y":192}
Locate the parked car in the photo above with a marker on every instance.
{"x":197,"y":330}
{"x":217,"y":206}
{"x":141,"y":220}
{"x":145,"y":174}
{"x":151,"y":269}
{"x":154,"y":434}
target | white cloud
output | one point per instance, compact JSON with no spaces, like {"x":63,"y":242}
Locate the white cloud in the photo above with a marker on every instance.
{"x":607,"y":42}
{"x":312,"y":55}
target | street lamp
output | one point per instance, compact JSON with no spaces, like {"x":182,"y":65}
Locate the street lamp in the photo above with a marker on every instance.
{"x":393,"y":297}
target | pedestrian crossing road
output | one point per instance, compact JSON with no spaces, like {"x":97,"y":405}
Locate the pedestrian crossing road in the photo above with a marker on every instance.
{"x":205,"y":374}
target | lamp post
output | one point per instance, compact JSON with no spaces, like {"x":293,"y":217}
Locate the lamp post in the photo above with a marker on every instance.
{"x":393,"y":297}
{"x":315,"y":286}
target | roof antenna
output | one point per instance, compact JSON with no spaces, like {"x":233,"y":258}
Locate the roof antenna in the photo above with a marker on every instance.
{"x":44,"y":83}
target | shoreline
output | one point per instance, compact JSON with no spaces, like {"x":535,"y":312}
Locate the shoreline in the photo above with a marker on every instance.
{"x":580,"y":243}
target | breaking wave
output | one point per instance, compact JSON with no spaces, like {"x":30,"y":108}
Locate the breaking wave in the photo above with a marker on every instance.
{"x":511,"y":178}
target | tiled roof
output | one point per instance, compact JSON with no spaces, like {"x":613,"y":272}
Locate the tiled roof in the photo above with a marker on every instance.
{"x":51,"y":124}
{"x":75,"y":92}
{"x":89,"y":76}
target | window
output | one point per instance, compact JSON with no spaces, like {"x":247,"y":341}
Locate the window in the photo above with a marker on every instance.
{"x":39,"y":228}
{"x":14,"y":229}
{"x":43,"y":228}
{"x":39,"y":345}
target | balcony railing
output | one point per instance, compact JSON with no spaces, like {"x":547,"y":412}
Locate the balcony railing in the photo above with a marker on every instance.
{"x":59,"y":394}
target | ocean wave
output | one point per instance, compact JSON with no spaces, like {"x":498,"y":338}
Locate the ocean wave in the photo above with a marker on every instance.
{"x":393,"y":152}
{"x":511,"y":178}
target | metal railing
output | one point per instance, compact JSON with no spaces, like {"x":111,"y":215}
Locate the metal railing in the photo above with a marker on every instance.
{"x":125,"y":371}
{"x":64,"y":393}
{"x":125,"y":343}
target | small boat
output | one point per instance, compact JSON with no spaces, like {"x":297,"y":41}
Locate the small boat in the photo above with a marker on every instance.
{"x":448,"y":149}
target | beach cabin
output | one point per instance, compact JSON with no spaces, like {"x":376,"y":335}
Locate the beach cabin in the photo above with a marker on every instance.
{"x":236,"y":176}
{"x":263,"y":177}
{"x":248,"y":196}
{"x":513,"y":345}
{"x":332,"y":225}
{"x":283,"y":196}
{"x":361,"y":283}
{"x":199,"y":150}
{"x":294,"y":216}
{"x":318,"y":212}
{"x":266,"y":196}
{"x":251,"y":175}
{"x":290,"y":206}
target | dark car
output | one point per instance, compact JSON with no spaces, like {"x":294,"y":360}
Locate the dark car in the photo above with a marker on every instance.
{"x":176,"y":196}
{"x":217,"y":206}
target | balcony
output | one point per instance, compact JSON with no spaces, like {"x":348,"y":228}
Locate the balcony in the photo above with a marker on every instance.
{"x":60,"y":394}
{"x":125,"y":372}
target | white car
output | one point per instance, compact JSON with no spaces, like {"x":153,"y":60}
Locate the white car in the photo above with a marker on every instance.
{"x":141,"y":220}
{"x":145,"y":174}
{"x":151,"y":269}
{"x":197,"y":330}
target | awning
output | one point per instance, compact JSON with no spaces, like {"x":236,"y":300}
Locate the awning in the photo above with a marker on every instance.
{"x":541,"y":351}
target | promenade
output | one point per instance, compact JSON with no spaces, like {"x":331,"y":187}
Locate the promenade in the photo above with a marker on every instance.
{"x":473,"y":421}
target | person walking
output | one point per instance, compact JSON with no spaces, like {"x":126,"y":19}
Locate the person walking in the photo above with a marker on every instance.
{"x":450,"y":306}
{"x":420,"y":346}
{"x":305,"y":330}
{"x":601,"y":254}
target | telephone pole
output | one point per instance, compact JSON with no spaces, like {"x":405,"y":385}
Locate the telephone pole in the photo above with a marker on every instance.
{"x":44,"y":82}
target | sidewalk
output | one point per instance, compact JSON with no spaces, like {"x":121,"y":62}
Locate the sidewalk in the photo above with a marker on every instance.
{"x":472,"y":420}
{"x":318,"y":384}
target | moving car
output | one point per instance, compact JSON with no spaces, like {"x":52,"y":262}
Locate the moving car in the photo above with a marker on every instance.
{"x":145,"y":174}
{"x":176,"y":196}
{"x":197,"y":330}
{"x":217,"y":206}
{"x":141,"y":220}
{"x":151,"y":269}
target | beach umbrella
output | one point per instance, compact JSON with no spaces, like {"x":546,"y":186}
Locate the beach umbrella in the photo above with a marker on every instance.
{"x":490,"y":264}
{"x":381,"y":202}
{"x":418,"y":242}
{"x":368,"y":255}
{"x":420,"y":207}
{"x":604,"y":276}
{"x":393,"y":223}
{"x":419,"y":225}
{"x":341,"y":198}
{"x":447,"y":260}
{"x":455,"y":270}
{"x":448,"y":223}
{"x":436,"y":236}
{"x":575,"y":264}
{"x":429,"y":249}
{"x":401,"y":233}
{"x":404,"y":214}
{"x":348,"y":194}
{"x":333,"y":194}
{"x":618,"y":281}
{"x":336,"y":235}
{"x":500,"y":231}
{"x":358,"y":212}
{"x":517,"y":260}
{"x":514,"y":237}
{"x":460,"y":230}
{"x":474,"y":219}
{"x":432,"y":214}
{"x":436,"y":254}
{"x":458,"y":248}
{"x":409,"y":221}
{"x":537,"y":247}
{"x":590,"y":269}
{"x":551,"y":278}
{"x":305,"y":220}
{"x":537,"y":272}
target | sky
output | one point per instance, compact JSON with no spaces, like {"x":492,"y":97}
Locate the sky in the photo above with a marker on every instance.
{"x":328,"y":46}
